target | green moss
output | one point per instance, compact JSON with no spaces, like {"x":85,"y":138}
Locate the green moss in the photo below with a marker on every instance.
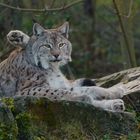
{"x":68,"y":130}
{"x":74,"y":131}
{"x":8,"y":126}
{"x":8,"y":132}
{"x":39,"y":138}
{"x":131,"y":136}
{"x":106,"y":137}
{"x":24,"y":125}
{"x":42,"y":111}
{"x":9,"y":102}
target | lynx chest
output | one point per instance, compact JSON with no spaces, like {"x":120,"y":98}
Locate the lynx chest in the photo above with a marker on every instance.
{"x":57,"y":81}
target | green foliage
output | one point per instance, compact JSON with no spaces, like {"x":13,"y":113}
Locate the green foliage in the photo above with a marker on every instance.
{"x":24,"y":125}
{"x":9,"y":102}
{"x":70,"y":131}
{"x":8,"y":132}
{"x":130,"y":136}
{"x":39,"y":138}
{"x":8,"y":126}
{"x":106,"y":137}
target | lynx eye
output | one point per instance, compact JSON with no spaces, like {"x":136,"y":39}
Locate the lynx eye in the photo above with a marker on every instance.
{"x":61,"y":45}
{"x":48,"y":46}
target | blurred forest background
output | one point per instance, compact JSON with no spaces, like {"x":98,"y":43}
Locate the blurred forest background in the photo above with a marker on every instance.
{"x":105,"y":34}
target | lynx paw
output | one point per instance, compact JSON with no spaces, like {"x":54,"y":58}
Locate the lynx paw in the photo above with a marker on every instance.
{"x":17,"y":37}
{"x":116,"y":105}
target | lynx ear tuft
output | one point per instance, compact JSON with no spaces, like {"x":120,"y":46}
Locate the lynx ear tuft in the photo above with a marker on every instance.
{"x":37,"y":29}
{"x":64,"y":29}
{"x":16,"y":37}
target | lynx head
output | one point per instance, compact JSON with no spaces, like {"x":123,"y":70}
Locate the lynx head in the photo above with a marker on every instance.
{"x":50,"y":46}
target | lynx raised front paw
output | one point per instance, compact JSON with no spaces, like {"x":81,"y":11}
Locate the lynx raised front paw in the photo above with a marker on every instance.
{"x":17,"y":37}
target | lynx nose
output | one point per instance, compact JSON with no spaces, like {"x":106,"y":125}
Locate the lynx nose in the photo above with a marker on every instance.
{"x":56,"y":55}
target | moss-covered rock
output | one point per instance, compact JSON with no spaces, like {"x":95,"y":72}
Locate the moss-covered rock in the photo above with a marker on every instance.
{"x":8,"y":125}
{"x":40,"y":119}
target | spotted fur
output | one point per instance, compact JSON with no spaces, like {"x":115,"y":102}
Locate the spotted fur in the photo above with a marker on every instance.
{"x":33,"y":70}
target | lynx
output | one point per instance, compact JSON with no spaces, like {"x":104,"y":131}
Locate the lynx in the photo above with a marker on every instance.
{"x":32,"y":69}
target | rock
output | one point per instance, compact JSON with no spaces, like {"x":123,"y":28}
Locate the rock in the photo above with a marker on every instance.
{"x":41,"y":119}
{"x":8,"y":125}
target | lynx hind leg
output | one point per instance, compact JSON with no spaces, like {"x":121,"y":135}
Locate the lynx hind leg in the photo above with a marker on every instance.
{"x":16,"y":37}
{"x":117,"y":92}
{"x":120,"y":90}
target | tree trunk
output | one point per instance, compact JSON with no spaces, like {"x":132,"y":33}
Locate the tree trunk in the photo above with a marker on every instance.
{"x":124,"y":13}
{"x":124,"y":77}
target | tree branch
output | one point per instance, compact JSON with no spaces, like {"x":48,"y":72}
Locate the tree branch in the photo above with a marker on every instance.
{"x":43,"y":9}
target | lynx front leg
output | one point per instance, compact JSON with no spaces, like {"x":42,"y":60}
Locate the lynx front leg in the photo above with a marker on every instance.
{"x":43,"y":91}
{"x":116,"y":105}
{"x":59,"y":94}
{"x":55,"y":94}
